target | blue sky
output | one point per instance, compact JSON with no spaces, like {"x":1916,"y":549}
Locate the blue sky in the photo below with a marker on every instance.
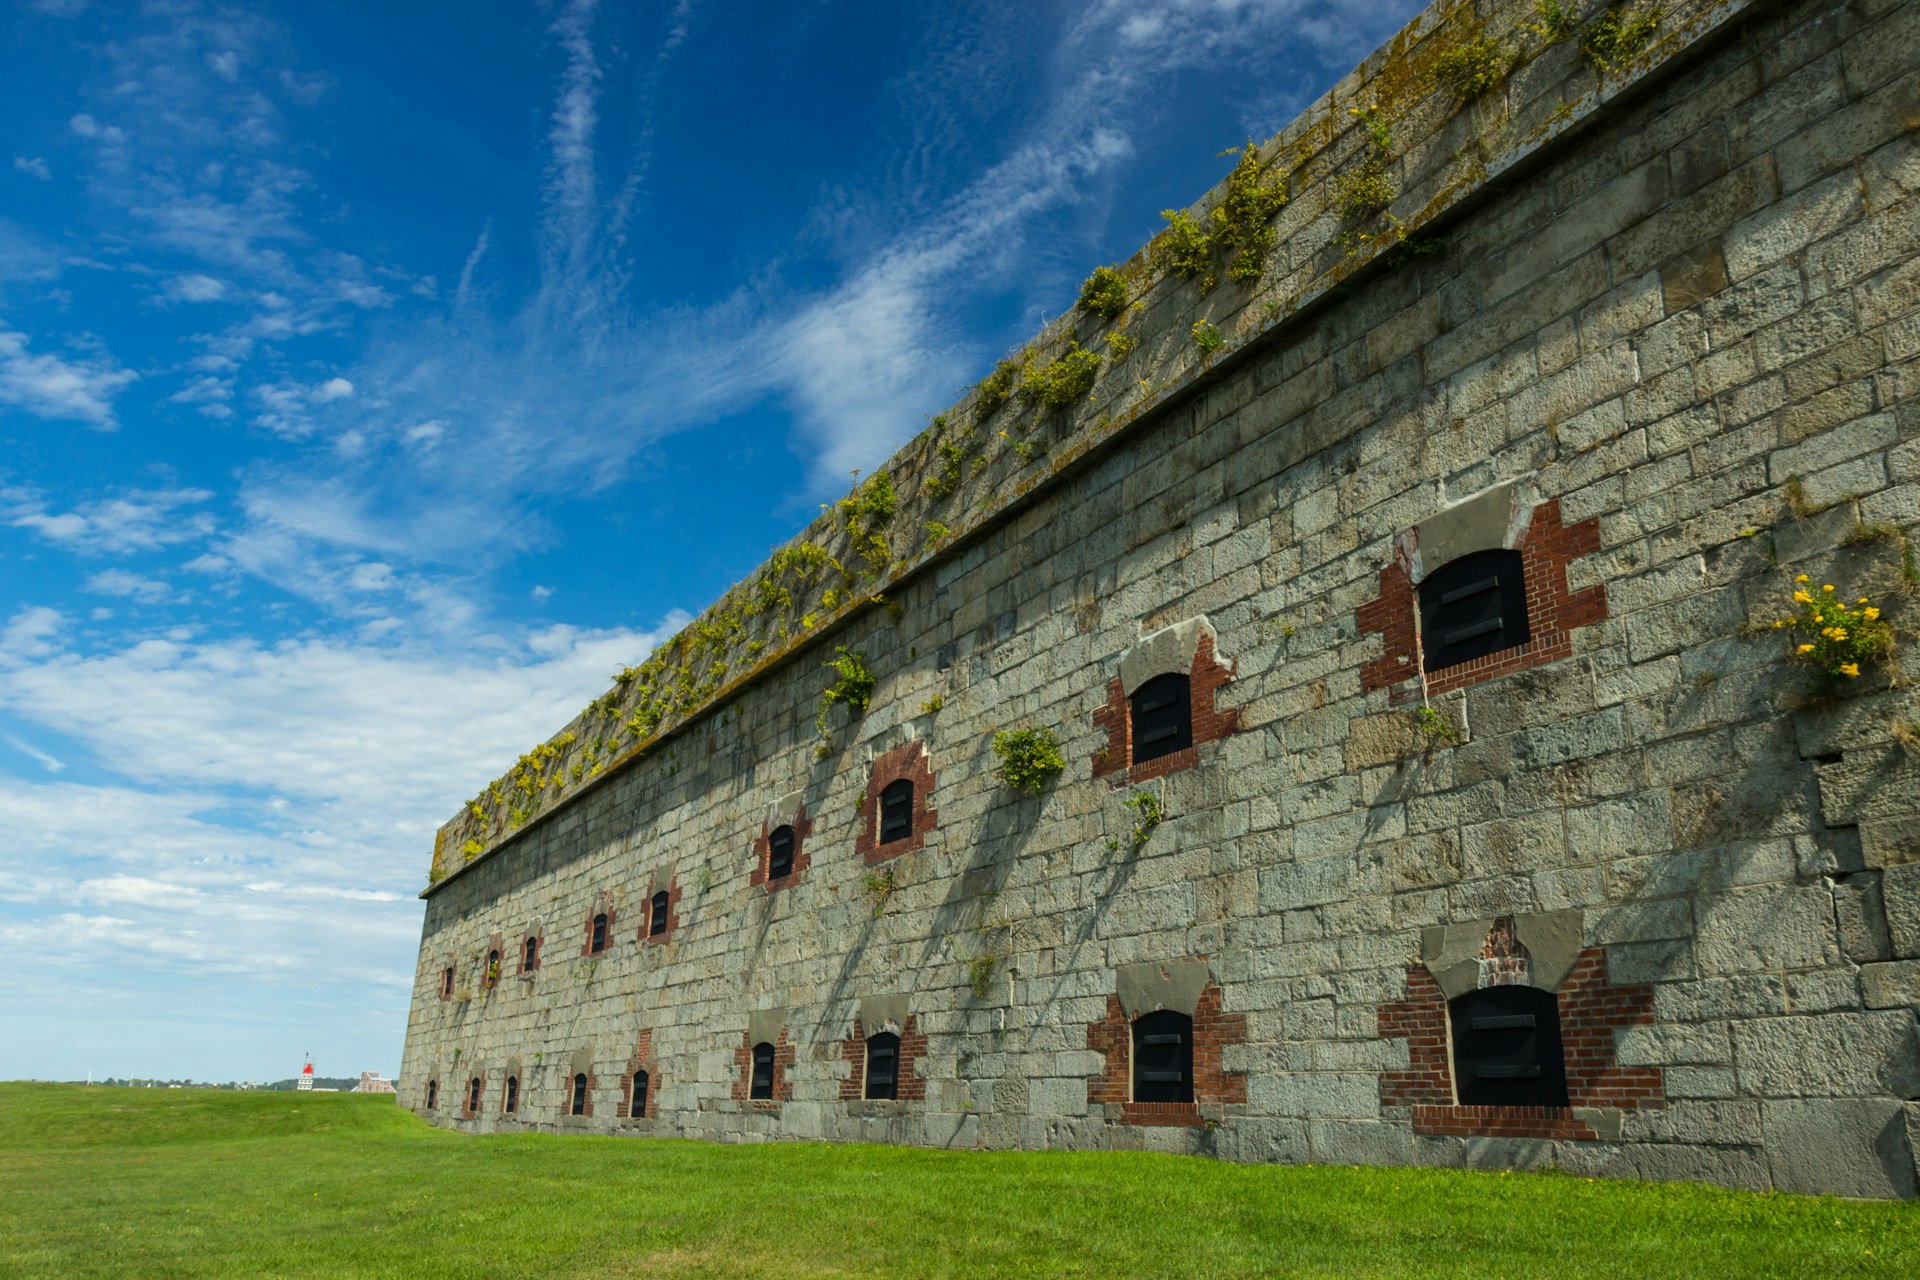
{"x":376,"y":380}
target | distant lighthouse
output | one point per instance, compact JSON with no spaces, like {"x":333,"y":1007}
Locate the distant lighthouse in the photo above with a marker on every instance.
{"x":306,"y":1076}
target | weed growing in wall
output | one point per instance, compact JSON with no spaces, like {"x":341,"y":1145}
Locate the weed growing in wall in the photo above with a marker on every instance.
{"x":1147,"y":817}
{"x":1473,"y":67}
{"x":1831,"y":637}
{"x":994,"y":390}
{"x":1184,"y":249}
{"x":1105,"y":293}
{"x":1367,"y":189}
{"x":1552,"y":21}
{"x":1618,"y":35}
{"x":1059,"y":383}
{"x":1029,"y":758}
{"x":863,"y":513}
{"x":942,"y":483}
{"x":1243,"y":221}
{"x":1436,"y":727}
{"x":1121,"y":345}
{"x":878,"y":886}
{"x":853,"y":688}
{"x":1207,"y":336}
{"x":980,"y":974}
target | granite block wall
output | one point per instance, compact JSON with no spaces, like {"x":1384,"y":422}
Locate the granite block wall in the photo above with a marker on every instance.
{"x":1671,"y":357}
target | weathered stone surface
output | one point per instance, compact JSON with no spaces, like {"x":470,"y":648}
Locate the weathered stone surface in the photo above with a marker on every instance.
{"x":1699,"y":293}
{"x":1843,"y":1147}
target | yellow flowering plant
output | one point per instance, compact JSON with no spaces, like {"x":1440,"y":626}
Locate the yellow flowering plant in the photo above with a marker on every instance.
{"x":1832,"y":636}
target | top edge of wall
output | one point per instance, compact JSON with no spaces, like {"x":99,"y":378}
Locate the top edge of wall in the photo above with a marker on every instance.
{"x":961,"y":476}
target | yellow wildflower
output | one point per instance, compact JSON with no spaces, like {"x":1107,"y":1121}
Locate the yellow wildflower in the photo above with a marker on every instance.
{"x":1849,"y":669}
{"x":1801,"y":578}
{"x":1805,"y":648}
{"x":1802,"y":597}
{"x":1818,"y":618}
{"x":1778,"y":625}
{"x":1863,"y":599}
{"x":1828,"y":587}
{"x":1869,"y":614}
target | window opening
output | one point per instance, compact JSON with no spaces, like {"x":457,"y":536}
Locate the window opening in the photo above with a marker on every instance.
{"x":433,"y":1094}
{"x":579,"y":1102}
{"x":473,"y":1094}
{"x":896,"y":811}
{"x":762,"y":1086}
{"x":493,"y":966}
{"x":512,"y":1103}
{"x":1163,"y":1057}
{"x":599,"y":940}
{"x":530,"y":955}
{"x":638,"y":1109}
{"x":1506,"y":1048}
{"x":446,"y":982}
{"x":883,"y":1065}
{"x":780,"y":853}
{"x":1472,"y":607}
{"x":658,"y":925}
{"x":1162,"y":717}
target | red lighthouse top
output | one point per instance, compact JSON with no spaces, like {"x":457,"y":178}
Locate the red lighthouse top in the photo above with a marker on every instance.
{"x":307,"y":1070}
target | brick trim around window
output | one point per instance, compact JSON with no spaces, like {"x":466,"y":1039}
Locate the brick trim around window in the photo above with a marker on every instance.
{"x":1205,"y":679}
{"x":539,"y":945}
{"x":1591,"y":1010}
{"x":474,"y":1099}
{"x":763,"y":853}
{"x":913,"y":1047}
{"x":1214,"y":1087}
{"x":642,"y":1060}
{"x":646,"y":935}
{"x":602,"y":902}
{"x":1546,"y":549}
{"x":446,"y":977}
{"x":908,"y":761}
{"x":783,"y":1057}
{"x":496,"y":947}
{"x":566,"y":1097}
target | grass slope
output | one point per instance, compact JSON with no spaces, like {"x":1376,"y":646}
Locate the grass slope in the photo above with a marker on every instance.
{"x":158,"y":1183}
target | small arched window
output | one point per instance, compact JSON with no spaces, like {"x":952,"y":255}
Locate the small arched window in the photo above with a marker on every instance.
{"x":530,"y":955}
{"x":473,"y":1094}
{"x":1163,"y":1057}
{"x":1162,"y":717}
{"x":1471,"y":607}
{"x":598,"y":942}
{"x":493,"y":966}
{"x":883,"y":1065}
{"x":639,"y":1108}
{"x":762,"y":1084}
{"x":780,"y":853}
{"x":511,"y":1103}
{"x":577,"y":1105}
{"x":446,"y":982}
{"x":1506,"y":1048}
{"x":657,"y":921}
{"x":896,"y":811}
{"x":433,"y":1094}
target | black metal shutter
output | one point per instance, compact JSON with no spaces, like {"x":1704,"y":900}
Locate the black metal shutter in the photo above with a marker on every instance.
{"x":896,"y":811}
{"x":446,"y":981}
{"x":658,"y":924}
{"x":1471,"y":607}
{"x":599,"y":942}
{"x":780,"y":853}
{"x":473,"y":1094}
{"x":1162,"y":717}
{"x":883,"y":1065}
{"x":1506,"y":1048}
{"x":639,"y":1108}
{"x":1163,"y":1057}
{"x":580,"y":1094}
{"x":531,"y":959}
{"x":433,"y":1094}
{"x":762,"y":1086}
{"x":513,"y":1095}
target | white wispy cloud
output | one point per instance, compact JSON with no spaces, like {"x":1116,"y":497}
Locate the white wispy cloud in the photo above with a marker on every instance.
{"x":119,"y":582}
{"x":195,"y":287}
{"x":140,"y":520}
{"x":33,"y":167}
{"x":59,"y":388}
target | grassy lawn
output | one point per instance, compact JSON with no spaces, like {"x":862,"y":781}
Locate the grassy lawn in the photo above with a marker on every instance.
{"x":153,"y":1183}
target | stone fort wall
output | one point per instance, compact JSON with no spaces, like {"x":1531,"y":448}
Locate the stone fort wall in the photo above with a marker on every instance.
{"x":1669,"y":357}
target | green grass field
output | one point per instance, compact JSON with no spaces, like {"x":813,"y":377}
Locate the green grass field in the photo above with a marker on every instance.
{"x":153,"y":1183}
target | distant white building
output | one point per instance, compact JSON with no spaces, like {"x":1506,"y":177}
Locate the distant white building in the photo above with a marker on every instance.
{"x":373,"y":1082}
